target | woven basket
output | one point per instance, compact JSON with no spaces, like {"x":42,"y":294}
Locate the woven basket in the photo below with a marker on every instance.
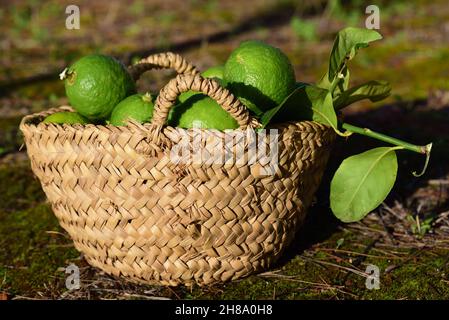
{"x":134,"y":212}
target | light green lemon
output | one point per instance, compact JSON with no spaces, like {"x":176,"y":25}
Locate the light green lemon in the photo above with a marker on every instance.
{"x":65,"y":117}
{"x":138,"y":107}
{"x":95,"y":84}
{"x":260,"y":75}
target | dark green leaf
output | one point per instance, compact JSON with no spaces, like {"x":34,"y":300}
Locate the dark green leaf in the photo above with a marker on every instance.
{"x":269,"y":115}
{"x":362,"y":182}
{"x":372,"y":90}
{"x":315,"y":104}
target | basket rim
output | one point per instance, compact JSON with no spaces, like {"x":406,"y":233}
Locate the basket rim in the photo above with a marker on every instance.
{"x":29,"y":122}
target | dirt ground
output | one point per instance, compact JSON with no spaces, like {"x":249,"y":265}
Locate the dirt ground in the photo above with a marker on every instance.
{"x":407,"y":237}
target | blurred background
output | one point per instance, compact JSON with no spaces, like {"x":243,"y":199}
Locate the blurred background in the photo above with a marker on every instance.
{"x":36,"y":46}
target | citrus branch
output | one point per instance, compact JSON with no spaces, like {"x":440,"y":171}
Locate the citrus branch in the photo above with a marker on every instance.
{"x":425,"y":150}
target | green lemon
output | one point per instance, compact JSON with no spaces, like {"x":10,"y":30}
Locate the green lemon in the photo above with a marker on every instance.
{"x":95,"y":84}
{"x":214,"y":72}
{"x":200,"y":111}
{"x":260,"y":75}
{"x":138,"y":107}
{"x":186,"y":95}
{"x":65,"y":117}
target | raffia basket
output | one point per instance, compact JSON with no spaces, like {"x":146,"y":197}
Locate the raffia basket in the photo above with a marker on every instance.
{"x":134,"y":212}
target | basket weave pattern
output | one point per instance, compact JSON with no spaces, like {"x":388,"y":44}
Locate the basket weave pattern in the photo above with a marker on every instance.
{"x":133,"y":212}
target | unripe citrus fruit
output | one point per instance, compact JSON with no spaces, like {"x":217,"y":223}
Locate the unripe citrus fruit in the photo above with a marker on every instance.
{"x":200,"y":111}
{"x":95,"y":84}
{"x":65,"y":117}
{"x":138,"y":107}
{"x":186,"y":95}
{"x":214,"y":72}
{"x":260,"y":75}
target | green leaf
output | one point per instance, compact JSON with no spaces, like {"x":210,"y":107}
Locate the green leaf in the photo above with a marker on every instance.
{"x":346,"y":44}
{"x":317,"y":104}
{"x":362,"y":182}
{"x":319,"y":101}
{"x":372,"y":90}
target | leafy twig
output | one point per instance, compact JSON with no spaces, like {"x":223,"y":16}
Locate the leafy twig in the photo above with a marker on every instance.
{"x":426,"y":149}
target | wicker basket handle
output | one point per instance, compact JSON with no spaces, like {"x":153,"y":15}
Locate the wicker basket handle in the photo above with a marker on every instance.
{"x":166,"y":60}
{"x":185,"y":82}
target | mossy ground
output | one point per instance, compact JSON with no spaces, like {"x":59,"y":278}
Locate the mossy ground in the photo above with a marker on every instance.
{"x":324,"y":259}
{"x":31,"y":246}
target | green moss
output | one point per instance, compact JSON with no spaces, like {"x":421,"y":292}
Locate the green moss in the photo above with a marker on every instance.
{"x":420,"y":278}
{"x":29,"y":256}
{"x":19,"y":189}
{"x":10,"y":137}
